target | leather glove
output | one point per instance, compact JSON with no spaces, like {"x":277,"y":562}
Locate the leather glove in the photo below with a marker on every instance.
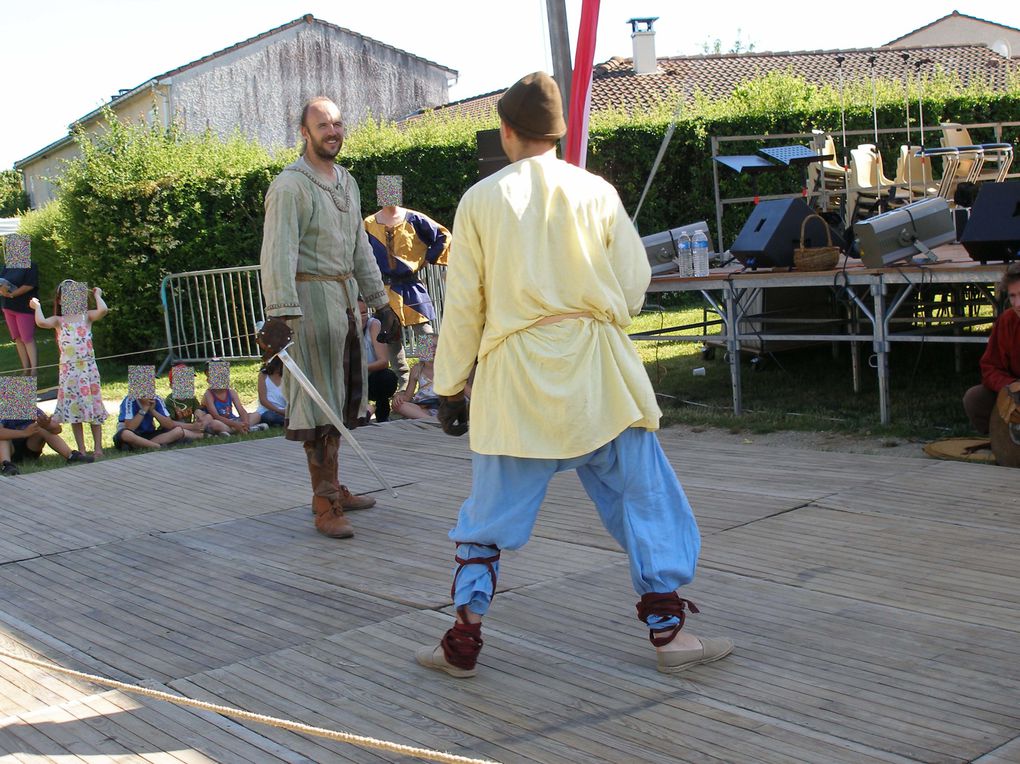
{"x":389,"y":330}
{"x":275,"y":334}
{"x":453,"y":414}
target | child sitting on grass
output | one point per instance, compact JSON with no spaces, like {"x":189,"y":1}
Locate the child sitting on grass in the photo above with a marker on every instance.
{"x":419,"y":400}
{"x":183,"y":407}
{"x":137,"y":425}
{"x":224,"y":404}
{"x":272,"y":408}
{"x":23,"y":440}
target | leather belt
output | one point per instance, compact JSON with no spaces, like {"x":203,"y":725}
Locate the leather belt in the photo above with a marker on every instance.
{"x":323,"y":277}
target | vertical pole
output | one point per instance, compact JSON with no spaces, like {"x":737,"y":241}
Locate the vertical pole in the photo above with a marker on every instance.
{"x":730,"y":322}
{"x":718,"y":196}
{"x":855,"y":347}
{"x":842,"y":110}
{"x":880,"y":346}
{"x":559,"y":44}
{"x":874,"y":98}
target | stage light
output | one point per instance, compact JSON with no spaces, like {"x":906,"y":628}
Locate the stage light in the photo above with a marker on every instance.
{"x":902,"y":233}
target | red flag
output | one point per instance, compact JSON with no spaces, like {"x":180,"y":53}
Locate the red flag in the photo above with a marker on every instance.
{"x":580,"y":88}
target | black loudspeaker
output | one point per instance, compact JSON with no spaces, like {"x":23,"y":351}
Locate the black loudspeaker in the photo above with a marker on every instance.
{"x":490,"y":153}
{"x":772,"y":232}
{"x":960,"y":217}
{"x":993,"y":230}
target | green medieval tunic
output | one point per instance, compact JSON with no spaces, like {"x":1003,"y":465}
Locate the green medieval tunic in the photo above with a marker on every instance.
{"x":316,"y":259}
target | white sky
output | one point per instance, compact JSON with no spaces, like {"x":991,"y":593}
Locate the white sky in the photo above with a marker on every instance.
{"x":60,"y":59}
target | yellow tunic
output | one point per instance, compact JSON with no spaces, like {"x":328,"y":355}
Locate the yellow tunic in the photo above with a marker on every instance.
{"x":401,"y":251}
{"x":543,"y":238}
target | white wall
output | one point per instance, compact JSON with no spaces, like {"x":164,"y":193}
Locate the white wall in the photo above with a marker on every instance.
{"x":959,"y":30}
{"x":261,"y":88}
{"x":144,"y":106}
{"x":40,"y":172}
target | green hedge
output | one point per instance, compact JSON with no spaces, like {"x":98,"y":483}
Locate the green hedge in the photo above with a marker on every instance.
{"x":143,"y":202}
{"x":13,"y":199}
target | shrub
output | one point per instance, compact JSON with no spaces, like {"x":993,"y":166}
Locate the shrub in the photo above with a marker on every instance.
{"x":46,"y":228}
{"x":143,"y":202}
{"x":13,"y":199}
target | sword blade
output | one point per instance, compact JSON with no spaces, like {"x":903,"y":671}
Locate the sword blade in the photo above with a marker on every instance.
{"x":308,"y":387}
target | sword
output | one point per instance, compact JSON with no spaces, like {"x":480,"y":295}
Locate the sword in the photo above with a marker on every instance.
{"x":309,"y":388}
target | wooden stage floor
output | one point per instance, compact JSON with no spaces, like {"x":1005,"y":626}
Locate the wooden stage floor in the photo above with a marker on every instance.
{"x":873,"y":600}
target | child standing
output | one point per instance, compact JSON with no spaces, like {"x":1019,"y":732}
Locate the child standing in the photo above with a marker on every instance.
{"x":79,"y":399}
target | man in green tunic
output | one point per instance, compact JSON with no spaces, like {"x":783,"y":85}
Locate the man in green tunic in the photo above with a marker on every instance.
{"x":316,"y":259}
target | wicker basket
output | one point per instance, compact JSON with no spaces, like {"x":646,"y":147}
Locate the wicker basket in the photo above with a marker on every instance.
{"x":815,"y":258}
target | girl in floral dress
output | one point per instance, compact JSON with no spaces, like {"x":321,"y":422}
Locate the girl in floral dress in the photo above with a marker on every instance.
{"x":79,"y":399}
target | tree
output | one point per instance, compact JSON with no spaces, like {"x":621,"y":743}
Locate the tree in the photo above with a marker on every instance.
{"x":13,"y":199}
{"x":714,"y":47}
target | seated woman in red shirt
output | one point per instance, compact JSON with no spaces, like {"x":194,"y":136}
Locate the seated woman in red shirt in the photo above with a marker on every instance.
{"x":1000,"y":364}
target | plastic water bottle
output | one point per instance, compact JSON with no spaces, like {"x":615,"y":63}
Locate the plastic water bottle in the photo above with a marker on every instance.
{"x":699,"y":252}
{"x":684,"y":258}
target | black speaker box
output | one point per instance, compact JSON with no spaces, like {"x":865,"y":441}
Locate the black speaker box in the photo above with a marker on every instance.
{"x":993,"y":230}
{"x":772,"y":232}
{"x":490,"y":153}
{"x":960,"y":217}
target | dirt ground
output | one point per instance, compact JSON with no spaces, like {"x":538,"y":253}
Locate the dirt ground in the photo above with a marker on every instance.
{"x":812,"y":441}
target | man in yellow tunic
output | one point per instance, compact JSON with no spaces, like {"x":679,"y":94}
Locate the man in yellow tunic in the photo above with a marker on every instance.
{"x":315,"y":260}
{"x":544,"y":275}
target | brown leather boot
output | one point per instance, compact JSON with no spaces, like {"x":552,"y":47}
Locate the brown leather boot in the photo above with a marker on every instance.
{"x":322,"y":466}
{"x":329,"y":518}
{"x":350,"y":501}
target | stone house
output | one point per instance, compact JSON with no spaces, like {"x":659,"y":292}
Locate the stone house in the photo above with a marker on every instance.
{"x":258,"y":86}
{"x":956,"y":28}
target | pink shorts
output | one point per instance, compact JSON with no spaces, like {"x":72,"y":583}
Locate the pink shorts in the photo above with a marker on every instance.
{"x":20,"y":325}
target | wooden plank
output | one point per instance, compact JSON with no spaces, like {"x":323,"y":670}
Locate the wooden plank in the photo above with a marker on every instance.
{"x":908,"y":563}
{"x":871,"y":599}
{"x":1009,"y":753}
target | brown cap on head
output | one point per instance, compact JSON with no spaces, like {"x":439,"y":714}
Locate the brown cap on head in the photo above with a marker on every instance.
{"x":533,"y":108}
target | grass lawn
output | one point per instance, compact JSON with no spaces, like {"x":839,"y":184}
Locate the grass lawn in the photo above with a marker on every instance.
{"x":114,"y":375}
{"x":806,"y":389}
{"x":811,"y":388}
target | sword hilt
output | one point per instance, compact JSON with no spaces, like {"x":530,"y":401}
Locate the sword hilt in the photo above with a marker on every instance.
{"x":274,"y":336}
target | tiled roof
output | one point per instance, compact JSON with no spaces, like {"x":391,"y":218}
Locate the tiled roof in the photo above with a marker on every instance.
{"x":475,"y":106}
{"x":957,"y":14}
{"x":615,"y":85}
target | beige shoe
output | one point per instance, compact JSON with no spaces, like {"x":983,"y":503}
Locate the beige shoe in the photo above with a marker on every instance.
{"x":350,"y":501}
{"x":463,"y":642}
{"x":433,"y":658}
{"x":712,"y":649}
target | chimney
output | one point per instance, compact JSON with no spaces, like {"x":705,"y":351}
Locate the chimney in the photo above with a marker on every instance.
{"x":643,"y":37}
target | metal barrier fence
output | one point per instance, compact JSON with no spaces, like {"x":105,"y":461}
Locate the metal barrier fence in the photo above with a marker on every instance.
{"x":213,"y":313}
